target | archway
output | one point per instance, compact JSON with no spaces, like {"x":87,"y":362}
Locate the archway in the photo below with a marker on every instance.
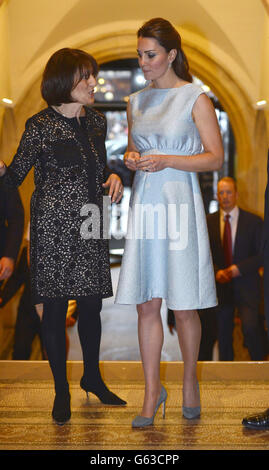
{"x":120,"y":43}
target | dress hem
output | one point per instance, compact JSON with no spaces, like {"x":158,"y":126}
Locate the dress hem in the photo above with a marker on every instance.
{"x":40,"y":300}
{"x":171,"y":307}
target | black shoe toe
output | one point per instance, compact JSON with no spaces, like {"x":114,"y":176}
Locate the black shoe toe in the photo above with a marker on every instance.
{"x":258,"y":421}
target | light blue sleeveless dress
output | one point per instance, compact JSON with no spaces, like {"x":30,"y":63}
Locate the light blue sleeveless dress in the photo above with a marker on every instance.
{"x":167,"y":252}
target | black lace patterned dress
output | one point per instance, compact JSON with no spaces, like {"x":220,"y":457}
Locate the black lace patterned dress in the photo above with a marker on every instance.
{"x":69,"y":162}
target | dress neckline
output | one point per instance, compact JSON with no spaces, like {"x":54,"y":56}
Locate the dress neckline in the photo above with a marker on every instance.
{"x":149,"y":87}
{"x":68,"y":118}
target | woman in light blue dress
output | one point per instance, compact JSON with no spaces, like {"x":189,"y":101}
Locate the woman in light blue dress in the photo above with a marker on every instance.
{"x":173,"y":134}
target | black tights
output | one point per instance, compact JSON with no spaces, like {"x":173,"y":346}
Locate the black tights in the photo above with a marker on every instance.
{"x":89,"y":330}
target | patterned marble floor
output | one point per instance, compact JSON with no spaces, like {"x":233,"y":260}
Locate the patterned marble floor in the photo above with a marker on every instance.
{"x":227,"y":395}
{"x":26,"y":423}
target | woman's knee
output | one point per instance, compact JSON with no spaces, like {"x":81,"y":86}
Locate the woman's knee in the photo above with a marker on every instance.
{"x":185,"y":315}
{"x":150,"y":308}
{"x":91,"y":305}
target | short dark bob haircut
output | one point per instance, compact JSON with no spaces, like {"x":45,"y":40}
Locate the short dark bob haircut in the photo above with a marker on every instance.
{"x":63,"y":72}
{"x":168,"y":37}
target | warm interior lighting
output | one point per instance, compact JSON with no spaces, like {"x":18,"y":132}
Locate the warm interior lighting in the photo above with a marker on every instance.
{"x":109,"y":96}
{"x":261,"y":103}
{"x":206,"y":88}
{"x":7,"y":101}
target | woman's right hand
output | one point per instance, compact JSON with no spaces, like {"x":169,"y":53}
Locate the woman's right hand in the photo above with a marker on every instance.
{"x":130,"y":159}
{"x":2,"y":168}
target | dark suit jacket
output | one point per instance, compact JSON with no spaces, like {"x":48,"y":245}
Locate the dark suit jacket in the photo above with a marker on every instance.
{"x":265,"y":248}
{"x":247,"y":256}
{"x":11,"y":221}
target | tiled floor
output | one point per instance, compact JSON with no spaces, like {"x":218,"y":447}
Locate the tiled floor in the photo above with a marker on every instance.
{"x":227,"y":395}
{"x":26,"y":423}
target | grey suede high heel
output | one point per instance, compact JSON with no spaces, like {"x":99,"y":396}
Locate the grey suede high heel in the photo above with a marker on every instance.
{"x":192,"y":412}
{"x":142,"y":421}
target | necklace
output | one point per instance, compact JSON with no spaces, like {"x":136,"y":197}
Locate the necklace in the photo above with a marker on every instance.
{"x":58,"y":110}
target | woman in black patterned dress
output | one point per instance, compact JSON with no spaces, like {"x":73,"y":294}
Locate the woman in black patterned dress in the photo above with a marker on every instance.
{"x":65,"y":143}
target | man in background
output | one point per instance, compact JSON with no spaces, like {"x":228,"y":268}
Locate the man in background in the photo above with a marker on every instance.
{"x":235,"y":238}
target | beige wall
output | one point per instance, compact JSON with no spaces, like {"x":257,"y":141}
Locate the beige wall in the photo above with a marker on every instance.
{"x":232,"y":32}
{"x":4,"y":54}
{"x":226,"y":41}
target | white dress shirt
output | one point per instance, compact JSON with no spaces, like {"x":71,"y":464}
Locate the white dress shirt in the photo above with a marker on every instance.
{"x":233,"y":221}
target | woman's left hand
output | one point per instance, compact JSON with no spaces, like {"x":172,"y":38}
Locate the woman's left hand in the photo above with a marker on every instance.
{"x":2,"y":168}
{"x":6,"y":267}
{"x":115,"y":187}
{"x":152,"y":163}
